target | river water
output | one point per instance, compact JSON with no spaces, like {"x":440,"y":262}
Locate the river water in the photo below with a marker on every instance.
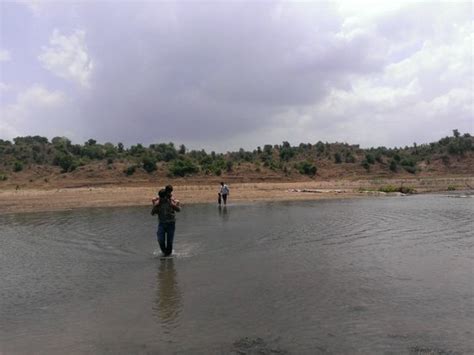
{"x":379,"y":275}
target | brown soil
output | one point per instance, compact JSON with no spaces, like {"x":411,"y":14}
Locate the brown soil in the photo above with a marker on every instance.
{"x":77,"y":193}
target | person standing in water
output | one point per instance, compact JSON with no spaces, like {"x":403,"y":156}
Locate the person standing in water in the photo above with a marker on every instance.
{"x":223,"y":193}
{"x":166,"y":207}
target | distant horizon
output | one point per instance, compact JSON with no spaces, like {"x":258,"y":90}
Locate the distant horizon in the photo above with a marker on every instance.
{"x":223,"y":75}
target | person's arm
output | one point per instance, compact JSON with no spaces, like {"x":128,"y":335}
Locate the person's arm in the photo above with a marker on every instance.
{"x":175,"y":207}
{"x":155,"y":200}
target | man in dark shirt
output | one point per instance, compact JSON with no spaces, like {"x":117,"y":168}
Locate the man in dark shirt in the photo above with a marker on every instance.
{"x":166,"y":208}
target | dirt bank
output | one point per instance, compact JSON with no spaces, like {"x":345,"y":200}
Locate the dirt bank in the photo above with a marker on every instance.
{"x":40,"y":199}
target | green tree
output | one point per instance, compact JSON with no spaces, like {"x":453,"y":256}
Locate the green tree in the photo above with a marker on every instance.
{"x":149,"y":164}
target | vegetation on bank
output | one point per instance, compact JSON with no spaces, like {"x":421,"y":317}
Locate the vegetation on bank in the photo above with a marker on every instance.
{"x":305,"y":158}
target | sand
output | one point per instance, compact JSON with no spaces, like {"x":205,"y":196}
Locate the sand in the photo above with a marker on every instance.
{"x":37,"y":200}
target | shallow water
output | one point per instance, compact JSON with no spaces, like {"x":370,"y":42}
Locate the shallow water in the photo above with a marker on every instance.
{"x":382,"y":275}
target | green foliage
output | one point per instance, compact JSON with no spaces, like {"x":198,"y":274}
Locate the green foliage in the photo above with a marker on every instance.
{"x":402,"y":189}
{"x":369,"y":158}
{"x":3,"y":177}
{"x":408,"y":162}
{"x":18,"y":166}
{"x":130,"y":170}
{"x":183,"y":167}
{"x":66,"y":162}
{"x":451,"y":188}
{"x":365,"y":164}
{"x":393,"y":165}
{"x":306,"y":168}
{"x":350,"y":158}
{"x":149,"y":164}
{"x":31,"y":150}
{"x":286,"y":151}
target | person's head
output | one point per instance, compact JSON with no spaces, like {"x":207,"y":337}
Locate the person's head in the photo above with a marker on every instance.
{"x":222,"y":183}
{"x":162,"y":193}
{"x":169,"y":190}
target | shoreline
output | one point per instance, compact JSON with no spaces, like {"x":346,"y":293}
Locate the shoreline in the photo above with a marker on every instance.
{"x":68,"y":198}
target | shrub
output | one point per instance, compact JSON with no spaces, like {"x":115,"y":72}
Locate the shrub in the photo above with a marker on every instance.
{"x":365,"y":164}
{"x":350,"y":158}
{"x":66,"y":162}
{"x":130,"y":170}
{"x":451,"y":188}
{"x":149,"y":164}
{"x":183,"y":167}
{"x":402,"y":189}
{"x":3,"y":177}
{"x":307,"y":168}
{"x":370,"y":158}
{"x":18,"y":166}
{"x":407,"y":162}
{"x":393,"y":165}
{"x":337,"y":158}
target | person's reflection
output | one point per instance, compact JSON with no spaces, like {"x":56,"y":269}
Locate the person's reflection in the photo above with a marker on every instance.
{"x":168,"y":297}
{"x":223,"y":213}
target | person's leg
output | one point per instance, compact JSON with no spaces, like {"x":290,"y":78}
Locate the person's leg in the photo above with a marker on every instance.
{"x":170,"y":228}
{"x":161,"y":237}
{"x":219,"y":198}
{"x":224,"y":197}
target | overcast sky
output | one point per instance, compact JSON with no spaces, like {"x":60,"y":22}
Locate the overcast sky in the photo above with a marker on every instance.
{"x":224,"y":75}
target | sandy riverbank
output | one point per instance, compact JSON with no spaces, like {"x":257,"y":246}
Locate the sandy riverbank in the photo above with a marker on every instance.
{"x":34,"y":200}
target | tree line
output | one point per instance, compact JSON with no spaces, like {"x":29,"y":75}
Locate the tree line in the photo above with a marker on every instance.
{"x":304,"y":158}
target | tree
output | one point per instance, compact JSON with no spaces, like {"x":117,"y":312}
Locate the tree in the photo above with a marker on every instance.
{"x":120,"y":147}
{"x":337,"y":158}
{"x":182,"y":149}
{"x":456,"y":133}
{"x":149,"y":164}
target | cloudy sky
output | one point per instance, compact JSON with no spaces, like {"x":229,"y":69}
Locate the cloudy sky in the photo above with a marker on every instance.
{"x":224,"y":75}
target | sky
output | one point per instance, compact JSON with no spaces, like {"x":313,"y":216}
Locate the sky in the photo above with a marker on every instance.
{"x":224,"y":75}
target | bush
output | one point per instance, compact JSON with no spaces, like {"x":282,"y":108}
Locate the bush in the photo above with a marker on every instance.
{"x":66,"y":162}
{"x":410,"y":169}
{"x":149,"y":164}
{"x":183,"y":167}
{"x":3,"y":177}
{"x":18,"y":166}
{"x":350,"y":158}
{"x":451,"y":188}
{"x":393,"y":165}
{"x":307,"y":168}
{"x":337,"y":158}
{"x":407,"y":162}
{"x":370,"y":158}
{"x":365,"y":164}
{"x":130,"y":170}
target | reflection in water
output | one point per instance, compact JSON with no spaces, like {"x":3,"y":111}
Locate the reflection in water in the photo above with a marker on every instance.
{"x":168,"y":303}
{"x":223,"y":213}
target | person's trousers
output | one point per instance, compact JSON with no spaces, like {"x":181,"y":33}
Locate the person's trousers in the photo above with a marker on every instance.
{"x":165,"y":235}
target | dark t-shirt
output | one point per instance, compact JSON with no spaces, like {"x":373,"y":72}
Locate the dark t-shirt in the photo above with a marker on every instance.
{"x":166,"y":211}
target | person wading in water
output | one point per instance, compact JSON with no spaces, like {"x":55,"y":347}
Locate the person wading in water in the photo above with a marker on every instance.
{"x":165,"y":207}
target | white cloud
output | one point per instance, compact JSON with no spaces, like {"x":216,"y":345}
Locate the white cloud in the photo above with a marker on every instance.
{"x":35,"y":110}
{"x":3,"y":87}
{"x":35,"y":6}
{"x":67,"y":57}
{"x":5,"y":55}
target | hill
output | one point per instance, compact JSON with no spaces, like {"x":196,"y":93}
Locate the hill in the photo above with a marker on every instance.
{"x":34,"y":161}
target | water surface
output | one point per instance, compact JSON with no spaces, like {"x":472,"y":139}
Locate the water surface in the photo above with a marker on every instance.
{"x":382,"y":275}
